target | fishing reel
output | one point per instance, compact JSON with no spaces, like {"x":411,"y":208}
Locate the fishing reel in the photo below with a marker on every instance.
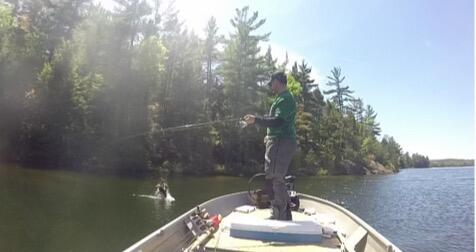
{"x":261,"y":197}
{"x":242,"y":124}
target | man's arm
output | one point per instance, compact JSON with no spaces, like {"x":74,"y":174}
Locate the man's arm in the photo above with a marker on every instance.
{"x":266,"y":121}
{"x":269,"y":121}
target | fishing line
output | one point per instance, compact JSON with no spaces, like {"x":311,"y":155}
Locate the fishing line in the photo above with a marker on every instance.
{"x":240,"y":121}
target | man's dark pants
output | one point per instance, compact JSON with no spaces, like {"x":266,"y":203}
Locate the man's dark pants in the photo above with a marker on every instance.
{"x":278,"y":156}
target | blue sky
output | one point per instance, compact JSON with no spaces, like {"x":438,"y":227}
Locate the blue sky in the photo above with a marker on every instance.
{"x":413,"y":61}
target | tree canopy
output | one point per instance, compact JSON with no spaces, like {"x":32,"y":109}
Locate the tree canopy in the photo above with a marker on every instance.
{"x":83,"y":88}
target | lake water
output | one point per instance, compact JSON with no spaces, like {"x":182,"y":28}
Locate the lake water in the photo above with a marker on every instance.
{"x":49,"y":210}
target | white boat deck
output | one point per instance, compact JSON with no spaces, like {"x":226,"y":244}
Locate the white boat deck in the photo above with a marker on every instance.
{"x":222,"y":241}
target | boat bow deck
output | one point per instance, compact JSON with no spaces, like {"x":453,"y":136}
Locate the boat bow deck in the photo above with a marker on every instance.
{"x":222,"y":241}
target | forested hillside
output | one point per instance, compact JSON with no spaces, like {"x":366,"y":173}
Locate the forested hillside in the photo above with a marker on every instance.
{"x":86,"y":88}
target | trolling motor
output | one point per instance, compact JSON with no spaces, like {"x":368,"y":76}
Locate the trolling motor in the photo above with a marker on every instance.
{"x":261,"y":198}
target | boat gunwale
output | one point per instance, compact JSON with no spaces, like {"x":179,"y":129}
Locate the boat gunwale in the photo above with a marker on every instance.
{"x":378,"y":237}
{"x":159,"y":231}
{"x":370,"y":229}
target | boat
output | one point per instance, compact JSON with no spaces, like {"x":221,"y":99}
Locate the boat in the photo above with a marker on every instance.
{"x":240,"y":219}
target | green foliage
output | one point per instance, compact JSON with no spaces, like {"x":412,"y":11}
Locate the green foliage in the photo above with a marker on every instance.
{"x":214,"y":100}
{"x":322,"y":172}
{"x":420,"y":161}
{"x":406,"y":161}
{"x":393,"y":153}
{"x":311,"y":96}
{"x":6,"y":22}
{"x":150,"y":58}
{"x":294,"y":86}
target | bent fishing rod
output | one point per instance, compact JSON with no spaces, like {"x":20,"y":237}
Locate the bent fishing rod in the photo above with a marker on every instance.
{"x":242,"y":124}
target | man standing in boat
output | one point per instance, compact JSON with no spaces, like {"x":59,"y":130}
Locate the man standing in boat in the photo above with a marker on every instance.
{"x":280,"y":143}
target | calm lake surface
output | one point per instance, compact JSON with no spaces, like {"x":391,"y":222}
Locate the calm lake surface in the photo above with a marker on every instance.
{"x":44,"y":210}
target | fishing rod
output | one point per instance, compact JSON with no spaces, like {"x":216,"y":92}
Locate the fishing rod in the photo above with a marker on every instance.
{"x":242,"y":124}
{"x":198,"y":125}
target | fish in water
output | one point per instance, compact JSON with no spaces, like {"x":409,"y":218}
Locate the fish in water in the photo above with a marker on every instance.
{"x":163,"y":191}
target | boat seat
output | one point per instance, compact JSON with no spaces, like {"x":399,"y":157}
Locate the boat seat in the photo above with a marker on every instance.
{"x":356,"y":241}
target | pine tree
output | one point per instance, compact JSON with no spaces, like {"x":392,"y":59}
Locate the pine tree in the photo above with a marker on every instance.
{"x":214,"y":89}
{"x":311,"y":97}
{"x":369,"y":122}
{"x":241,"y":69}
{"x":269,"y":63}
{"x":341,"y":94}
{"x":243,"y":73}
{"x":357,"y":108}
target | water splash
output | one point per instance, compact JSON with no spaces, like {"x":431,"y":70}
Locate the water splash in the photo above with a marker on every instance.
{"x":168,"y":197}
{"x":146,"y":196}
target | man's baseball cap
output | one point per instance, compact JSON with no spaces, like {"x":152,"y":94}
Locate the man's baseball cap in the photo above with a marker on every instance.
{"x":279,"y":76}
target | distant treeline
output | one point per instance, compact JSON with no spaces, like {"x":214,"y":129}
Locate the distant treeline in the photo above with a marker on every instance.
{"x":415,"y":161}
{"x":82,"y":87}
{"x":451,"y":162}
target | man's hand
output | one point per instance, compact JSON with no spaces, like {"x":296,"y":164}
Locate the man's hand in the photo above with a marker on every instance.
{"x":249,"y":119}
